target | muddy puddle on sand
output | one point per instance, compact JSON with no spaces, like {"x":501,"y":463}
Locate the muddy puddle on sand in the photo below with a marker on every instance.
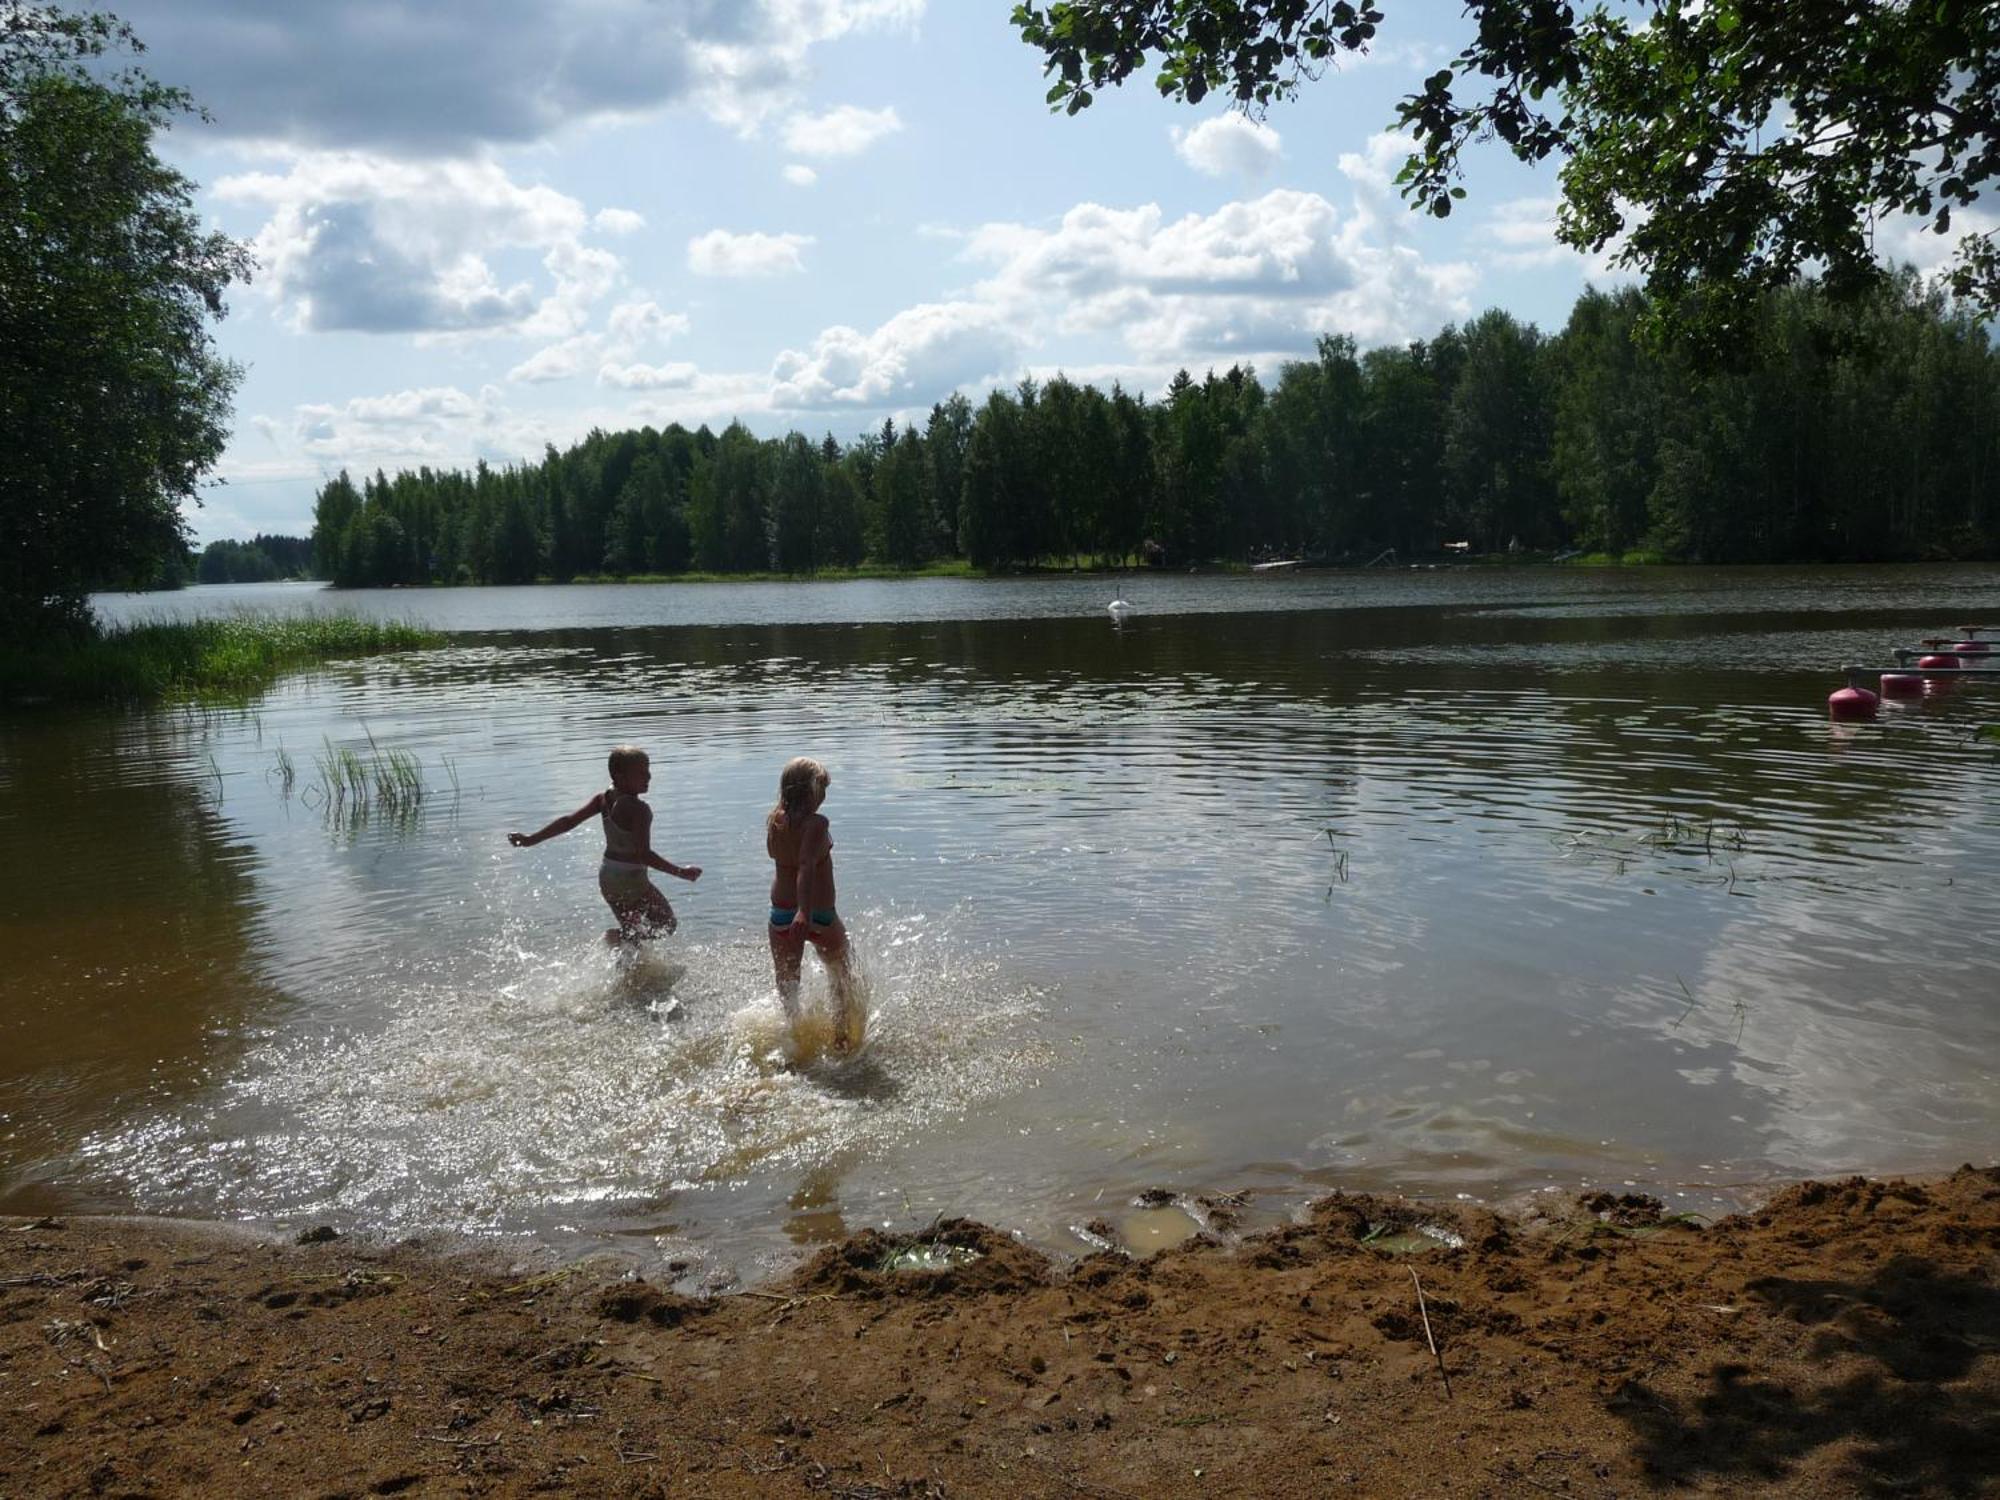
{"x":1145,"y":1230}
{"x":567,"y":1088}
{"x":1153,"y":1221}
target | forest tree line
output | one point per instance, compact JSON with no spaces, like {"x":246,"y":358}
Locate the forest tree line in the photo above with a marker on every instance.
{"x":1840,"y":431}
{"x":262,"y":559}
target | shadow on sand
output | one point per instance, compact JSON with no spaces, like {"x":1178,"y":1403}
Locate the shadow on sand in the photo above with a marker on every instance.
{"x":1892,"y":1348}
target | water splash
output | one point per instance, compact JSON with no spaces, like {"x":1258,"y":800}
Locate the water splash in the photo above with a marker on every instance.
{"x":579,"y":1082}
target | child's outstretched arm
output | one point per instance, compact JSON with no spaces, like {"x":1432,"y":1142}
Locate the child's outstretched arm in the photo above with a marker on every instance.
{"x":563,"y":824}
{"x":660,"y":862}
{"x":653,"y":858}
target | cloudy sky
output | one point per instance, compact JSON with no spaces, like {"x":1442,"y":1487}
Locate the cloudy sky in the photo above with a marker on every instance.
{"x":482,"y":229}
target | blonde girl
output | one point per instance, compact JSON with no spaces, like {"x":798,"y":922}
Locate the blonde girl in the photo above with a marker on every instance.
{"x":800,"y":843}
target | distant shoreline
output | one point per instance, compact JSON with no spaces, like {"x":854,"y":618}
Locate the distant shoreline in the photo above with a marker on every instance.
{"x":963,"y":570}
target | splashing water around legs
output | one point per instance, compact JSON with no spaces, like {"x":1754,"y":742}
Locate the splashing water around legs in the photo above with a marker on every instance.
{"x":546,"y":1088}
{"x":843,"y":1026}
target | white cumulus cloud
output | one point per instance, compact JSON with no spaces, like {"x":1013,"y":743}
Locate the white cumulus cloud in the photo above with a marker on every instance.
{"x":1258,"y":280}
{"x":1263,"y":276}
{"x":1229,"y":145}
{"x":633,"y":325}
{"x":1910,"y":237}
{"x":450,"y":78}
{"x":360,"y":243}
{"x":555,"y":361}
{"x":721,"y":253}
{"x":619,"y":220}
{"x":798,"y":174}
{"x":677,"y":376}
{"x":434,"y":425}
{"x":844,"y":131}
{"x":912,"y":359}
{"x":631,"y":328}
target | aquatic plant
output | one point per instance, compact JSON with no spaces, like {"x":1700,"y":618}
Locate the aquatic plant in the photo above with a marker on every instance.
{"x":1676,"y":832}
{"x":226,"y":657}
{"x":1673,"y":835}
{"x":352,"y":785}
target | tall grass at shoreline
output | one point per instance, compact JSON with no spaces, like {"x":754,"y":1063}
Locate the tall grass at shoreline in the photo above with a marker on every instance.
{"x":195,"y":658}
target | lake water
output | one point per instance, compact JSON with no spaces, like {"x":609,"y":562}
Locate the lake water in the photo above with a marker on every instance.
{"x":1461,"y":882}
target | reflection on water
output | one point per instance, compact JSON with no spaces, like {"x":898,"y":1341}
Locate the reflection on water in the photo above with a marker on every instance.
{"x":1552,"y":878}
{"x":128,"y":917}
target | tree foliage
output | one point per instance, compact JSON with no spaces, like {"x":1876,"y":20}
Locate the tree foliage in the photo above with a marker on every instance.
{"x":262,"y":559}
{"x":1722,"y":147}
{"x":113,"y":402}
{"x":1849,"y":431}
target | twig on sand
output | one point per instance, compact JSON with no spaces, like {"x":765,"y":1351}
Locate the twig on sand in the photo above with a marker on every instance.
{"x":750,"y":1465}
{"x":617,"y":1367}
{"x":1515,"y":1471}
{"x":792,"y":1303}
{"x":1424,"y":1313}
{"x":456,"y":1442}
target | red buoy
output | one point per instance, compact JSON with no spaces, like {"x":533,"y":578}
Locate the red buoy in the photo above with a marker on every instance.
{"x":1971,"y":648}
{"x":1902,"y":685}
{"x":1937,"y":661}
{"x":1852,"y":703}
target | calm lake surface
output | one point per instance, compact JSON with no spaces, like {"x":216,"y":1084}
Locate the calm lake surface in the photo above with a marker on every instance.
{"x":1460,"y":882}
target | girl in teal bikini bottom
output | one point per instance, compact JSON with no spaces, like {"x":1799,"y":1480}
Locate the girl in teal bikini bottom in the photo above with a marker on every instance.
{"x":800,"y":842}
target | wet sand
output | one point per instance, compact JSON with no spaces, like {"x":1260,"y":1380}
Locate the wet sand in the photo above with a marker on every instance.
{"x":1843,"y":1340}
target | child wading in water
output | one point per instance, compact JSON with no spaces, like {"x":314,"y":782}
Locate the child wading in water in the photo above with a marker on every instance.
{"x":641,"y":910}
{"x":800,"y":843}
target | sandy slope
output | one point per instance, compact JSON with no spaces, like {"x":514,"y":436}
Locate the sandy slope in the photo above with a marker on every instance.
{"x":1845,"y":1340}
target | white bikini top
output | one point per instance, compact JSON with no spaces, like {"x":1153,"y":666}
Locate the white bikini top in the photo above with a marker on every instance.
{"x":621,"y":843}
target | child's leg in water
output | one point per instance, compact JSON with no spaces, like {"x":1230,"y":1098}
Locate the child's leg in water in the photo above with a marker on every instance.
{"x":831,"y":942}
{"x":641,"y":916}
{"x":787,"y":951}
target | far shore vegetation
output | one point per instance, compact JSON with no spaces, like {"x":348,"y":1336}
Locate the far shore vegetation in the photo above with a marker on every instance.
{"x":1863,"y":430}
{"x":224,"y":658}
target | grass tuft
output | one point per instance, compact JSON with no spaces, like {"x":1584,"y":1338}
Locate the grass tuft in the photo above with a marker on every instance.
{"x":230,"y":657}
{"x":353,"y":785}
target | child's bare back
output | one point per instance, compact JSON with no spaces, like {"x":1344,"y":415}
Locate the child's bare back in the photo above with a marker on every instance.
{"x":799,"y":840}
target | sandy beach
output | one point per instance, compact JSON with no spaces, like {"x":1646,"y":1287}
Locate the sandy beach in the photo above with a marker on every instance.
{"x":1845,"y":1339}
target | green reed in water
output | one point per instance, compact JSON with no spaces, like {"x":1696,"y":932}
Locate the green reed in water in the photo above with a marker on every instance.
{"x":384,"y":780}
{"x":226,"y":657}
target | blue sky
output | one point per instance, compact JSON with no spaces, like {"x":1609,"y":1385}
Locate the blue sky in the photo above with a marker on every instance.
{"x":483,"y":229}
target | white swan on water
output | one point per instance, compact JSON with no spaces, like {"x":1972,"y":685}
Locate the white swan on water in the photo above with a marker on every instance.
{"x":1118,"y":607}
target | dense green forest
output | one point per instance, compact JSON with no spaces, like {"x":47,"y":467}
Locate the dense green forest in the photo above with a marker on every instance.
{"x":259,"y":560}
{"x":1840,"y":431}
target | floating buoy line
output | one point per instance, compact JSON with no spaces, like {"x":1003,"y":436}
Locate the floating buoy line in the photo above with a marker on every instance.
{"x":1934,"y":665}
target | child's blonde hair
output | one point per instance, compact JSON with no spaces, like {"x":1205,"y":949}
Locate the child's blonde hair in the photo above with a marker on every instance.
{"x":624,"y":757}
{"x":801,"y":777}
